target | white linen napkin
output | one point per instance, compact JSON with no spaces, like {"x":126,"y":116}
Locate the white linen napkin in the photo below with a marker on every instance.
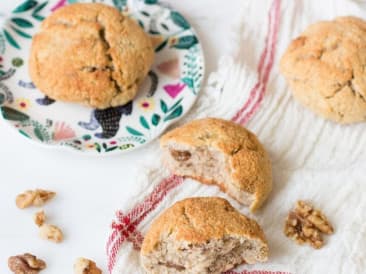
{"x":312,"y":159}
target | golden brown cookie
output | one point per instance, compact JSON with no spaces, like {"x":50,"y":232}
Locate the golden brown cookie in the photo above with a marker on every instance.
{"x":325,"y":68}
{"x":90,"y":54}
{"x":220,"y":152}
{"x":202,"y":235}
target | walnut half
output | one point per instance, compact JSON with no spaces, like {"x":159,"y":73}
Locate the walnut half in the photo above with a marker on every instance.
{"x":86,"y":266}
{"x":51,"y":233}
{"x":36,"y":197}
{"x":26,"y":264}
{"x":306,"y":225}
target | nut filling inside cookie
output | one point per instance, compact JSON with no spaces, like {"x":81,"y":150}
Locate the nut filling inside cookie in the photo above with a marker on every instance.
{"x":213,"y":256}
{"x":180,"y":156}
{"x":207,"y":165}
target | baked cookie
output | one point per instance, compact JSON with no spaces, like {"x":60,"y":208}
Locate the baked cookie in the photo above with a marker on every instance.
{"x":91,"y":54}
{"x":325,"y":68}
{"x":202,"y":235}
{"x":220,"y":152}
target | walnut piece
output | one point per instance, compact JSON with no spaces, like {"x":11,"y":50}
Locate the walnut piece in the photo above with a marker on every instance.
{"x":86,"y":266}
{"x":39,"y":218}
{"x":305,"y":225}
{"x":36,"y":197}
{"x":26,"y":264}
{"x":180,"y":155}
{"x":51,"y":233}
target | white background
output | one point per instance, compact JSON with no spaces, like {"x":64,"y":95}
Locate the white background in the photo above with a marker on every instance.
{"x":89,"y":189}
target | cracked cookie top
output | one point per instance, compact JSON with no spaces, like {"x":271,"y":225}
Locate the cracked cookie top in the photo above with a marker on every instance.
{"x":325,"y":68}
{"x":199,"y":220}
{"x":90,"y":54}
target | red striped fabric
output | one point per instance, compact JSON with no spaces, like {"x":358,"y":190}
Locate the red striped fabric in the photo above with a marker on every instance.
{"x":124,"y":229}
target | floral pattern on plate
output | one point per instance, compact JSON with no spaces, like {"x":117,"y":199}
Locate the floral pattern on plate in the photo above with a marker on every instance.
{"x":166,"y":95}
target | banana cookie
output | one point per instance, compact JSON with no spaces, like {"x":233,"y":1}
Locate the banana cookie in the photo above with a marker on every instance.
{"x":202,"y":235}
{"x":220,"y":152}
{"x":325,"y":69}
{"x":91,"y":54}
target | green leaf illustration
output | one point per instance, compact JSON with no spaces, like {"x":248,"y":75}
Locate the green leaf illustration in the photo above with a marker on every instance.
{"x":13,"y":114}
{"x":17,"y":62}
{"x":161,"y":46}
{"x":35,"y":13}
{"x":126,"y":146}
{"x":23,"y":23}
{"x":153,"y":32}
{"x":111,"y":149}
{"x":151,"y":2}
{"x":164,"y":26}
{"x":120,"y":4}
{"x":27,"y":5}
{"x":134,"y":131}
{"x":145,"y":13}
{"x":141,"y":24}
{"x":144,"y":123}
{"x":97,"y":147}
{"x":189,"y":82}
{"x":155,"y":119}
{"x":175,"y":105}
{"x":37,"y":131}
{"x":86,"y":137}
{"x":21,"y":33}
{"x":104,"y":145}
{"x":176,"y":113}
{"x":11,"y":40}
{"x":24,"y":133}
{"x":186,"y":42}
{"x":179,"y":20}
{"x":163,"y":106}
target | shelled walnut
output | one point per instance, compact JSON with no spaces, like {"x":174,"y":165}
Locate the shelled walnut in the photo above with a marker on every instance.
{"x":26,"y":264}
{"x":51,"y":233}
{"x":306,"y":225}
{"x":39,"y":218}
{"x":86,"y":266}
{"x":36,"y":197}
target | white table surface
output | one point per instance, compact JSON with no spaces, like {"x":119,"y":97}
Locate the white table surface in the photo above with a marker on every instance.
{"x":89,"y":189}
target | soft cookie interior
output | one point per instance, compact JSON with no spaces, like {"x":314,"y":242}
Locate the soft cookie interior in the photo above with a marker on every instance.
{"x":205,"y":164}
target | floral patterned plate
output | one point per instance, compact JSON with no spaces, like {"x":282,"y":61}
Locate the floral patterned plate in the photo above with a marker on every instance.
{"x":166,"y":95}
